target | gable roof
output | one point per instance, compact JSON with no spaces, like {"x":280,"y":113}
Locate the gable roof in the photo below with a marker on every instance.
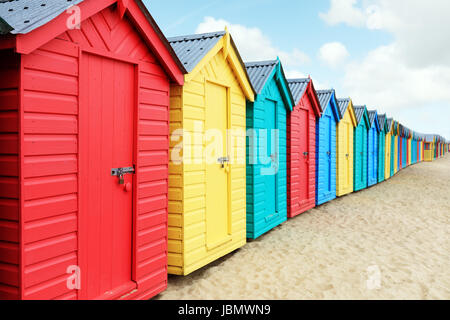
{"x":33,"y":23}
{"x":361,"y":113}
{"x":261,"y":72}
{"x":23,"y":16}
{"x":298,"y":88}
{"x":328,"y":97}
{"x":343,"y":105}
{"x":429,"y":138}
{"x":192,"y":49}
{"x":389,"y":123}
{"x":382,"y":121}
{"x":196,"y":50}
{"x":373,"y":118}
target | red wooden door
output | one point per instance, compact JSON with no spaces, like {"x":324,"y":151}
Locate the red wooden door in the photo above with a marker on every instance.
{"x":304,"y":155}
{"x":106,"y":142}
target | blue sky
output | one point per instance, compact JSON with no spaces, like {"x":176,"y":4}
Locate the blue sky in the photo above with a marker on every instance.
{"x":362,"y":48}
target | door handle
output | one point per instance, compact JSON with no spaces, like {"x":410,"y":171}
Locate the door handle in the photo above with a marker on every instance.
{"x":305,"y":154}
{"x":120,"y":172}
{"x":328,"y":153}
{"x":223,"y":160}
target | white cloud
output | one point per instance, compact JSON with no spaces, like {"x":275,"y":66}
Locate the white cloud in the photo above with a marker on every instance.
{"x":333,"y":54}
{"x":254,"y":45}
{"x":409,"y":77}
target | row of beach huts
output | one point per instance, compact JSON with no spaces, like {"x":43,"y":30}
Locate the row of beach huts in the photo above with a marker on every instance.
{"x":104,"y":130}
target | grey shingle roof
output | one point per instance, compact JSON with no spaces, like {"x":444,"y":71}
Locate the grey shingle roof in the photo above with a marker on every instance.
{"x":298,"y":88}
{"x":372,"y":115}
{"x":23,"y":16}
{"x":359,"y":113}
{"x":343,"y":105}
{"x":192,"y":49}
{"x":259,"y":73}
{"x":382,"y":121}
{"x":324,"y":98}
{"x":389,"y":122}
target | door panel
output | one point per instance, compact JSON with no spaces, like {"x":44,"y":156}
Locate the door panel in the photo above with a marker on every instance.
{"x":347,"y":157}
{"x":327,"y":173}
{"x":217,"y":212}
{"x":106,"y":118}
{"x":272,"y":154}
{"x":304,"y":155}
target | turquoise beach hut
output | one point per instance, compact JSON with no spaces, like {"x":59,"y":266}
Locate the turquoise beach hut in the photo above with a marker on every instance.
{"x":360,"y":144}
{"x":372,"y":149}
{"x":382,"y":146}
{"x":326,"y":147}
{"x":266,"y":147}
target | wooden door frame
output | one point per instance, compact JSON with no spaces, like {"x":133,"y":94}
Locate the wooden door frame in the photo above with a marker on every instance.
{"x":83,"y":177}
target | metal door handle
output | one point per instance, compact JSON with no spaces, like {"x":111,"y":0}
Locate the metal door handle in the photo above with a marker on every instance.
{"x":305,"y":154}
{"x":120,"y":172}
{"x":223,"y":160}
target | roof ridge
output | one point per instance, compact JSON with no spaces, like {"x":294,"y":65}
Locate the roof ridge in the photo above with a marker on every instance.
{"x":261,"y":63}
{"x":196,"y":36}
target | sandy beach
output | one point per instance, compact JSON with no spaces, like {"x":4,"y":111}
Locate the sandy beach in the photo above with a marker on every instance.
{"x":391,"y":241}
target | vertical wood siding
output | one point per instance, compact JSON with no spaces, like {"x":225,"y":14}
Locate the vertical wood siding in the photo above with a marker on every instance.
{"x":50,"y":100}
{"x":9,"y":176}
{"x":343,"y":138}
{"x":187,"y":210}
{"x":323,"y":175}
{"x":256,"y":194}
{"x":295,"y":128}
{"x":360,"y":168}
{"x":381,"y":155}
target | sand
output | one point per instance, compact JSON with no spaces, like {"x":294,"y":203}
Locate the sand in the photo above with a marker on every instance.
{"x":391,"y":241}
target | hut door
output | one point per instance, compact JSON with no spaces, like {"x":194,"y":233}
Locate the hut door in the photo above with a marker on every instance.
{"x":218,"y":223}
{"x":348,"y":132}
{"x":328,"y":123}
{"x":363,"y":146}
{"x":271,"y":172}
{"x":106,"y":206}
{"x":304,"y":155}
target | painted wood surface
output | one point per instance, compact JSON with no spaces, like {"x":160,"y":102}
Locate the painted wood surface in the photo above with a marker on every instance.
{"x":267,"y":180}
{"x":190,"y":185}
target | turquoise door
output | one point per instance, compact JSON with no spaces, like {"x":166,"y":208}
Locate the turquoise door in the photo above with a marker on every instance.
{"x":271,"y":171}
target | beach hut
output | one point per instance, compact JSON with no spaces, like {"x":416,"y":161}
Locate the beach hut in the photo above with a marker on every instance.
{"x":429,"y":150}
{"x":409,"y":146}
{"x":400,"y":147}
{"x":372,"y":148}
{"x":301,"y":146}
{"x":207,"y":174}
{"x":382,"y":147}
{"x":414,"y":148}
{"x":344,"y":156}
{"x":388,"y":168}
{"x":395,"y":148}
{"x":266,"y":149}
{"x":326,"y":147}
{"x":404,"y":141}
{"x":360,"y":142}
{"x":83,"y":150}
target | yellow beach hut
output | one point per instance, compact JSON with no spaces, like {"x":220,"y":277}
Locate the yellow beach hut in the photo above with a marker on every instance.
{"x":388,"y":148}
{"x":207,"y":192}
{"x":344,"y":136}
{"x":396,"y":137}
{"x":429,"y":147}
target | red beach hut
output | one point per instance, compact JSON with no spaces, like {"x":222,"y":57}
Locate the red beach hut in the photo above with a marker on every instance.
{"x":84,"y":142}
{"x":301,"y":152}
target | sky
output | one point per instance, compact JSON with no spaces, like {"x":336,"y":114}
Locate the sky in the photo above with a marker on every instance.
{"x":393,"y":56}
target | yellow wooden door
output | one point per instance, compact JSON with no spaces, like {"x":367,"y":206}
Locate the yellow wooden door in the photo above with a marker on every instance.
{"x":217,"y":205}
{"x":348,"y":181}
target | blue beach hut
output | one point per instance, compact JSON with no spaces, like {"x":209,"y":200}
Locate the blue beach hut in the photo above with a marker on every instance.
{"x":360,"y":144}
{"x":382,"y":147}
{"x":372,"y":147}
{"x":326,"y":147}
{"x":266,"y":147}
